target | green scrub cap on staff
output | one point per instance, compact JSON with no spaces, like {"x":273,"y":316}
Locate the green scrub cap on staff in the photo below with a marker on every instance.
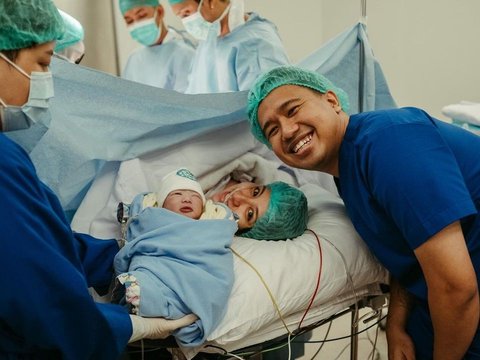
{"x":286,"y":75}
{"x":126,"y":5}
{"x":173,"y":2}
{"x":24,"y":23}
{"x":73,"y":32}
{"x":286,"y":216}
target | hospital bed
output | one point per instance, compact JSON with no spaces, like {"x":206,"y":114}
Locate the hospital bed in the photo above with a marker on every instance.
{"x":111,"y":138}
{"x":328,"y":266}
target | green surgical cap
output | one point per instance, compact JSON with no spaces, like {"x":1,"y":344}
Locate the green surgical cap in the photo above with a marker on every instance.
{"x":126,"y":5}
{"x":25,"y":23}
{"x":173,"y":2}
{"x":286,"y":216}
{"x":73,"y":32}
{"x":286,"y":75}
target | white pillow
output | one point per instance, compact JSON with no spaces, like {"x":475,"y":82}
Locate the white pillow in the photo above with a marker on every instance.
{"x":290,"y":268}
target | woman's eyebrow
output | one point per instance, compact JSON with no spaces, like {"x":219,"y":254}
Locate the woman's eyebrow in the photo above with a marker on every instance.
{"x":262,"y":190}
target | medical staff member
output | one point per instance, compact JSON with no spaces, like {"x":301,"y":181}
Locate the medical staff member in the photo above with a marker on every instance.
{"x":234,"y":47}
{"x":70,"y":45}
{"x":166,"y":56}
{"x":46,"y":311}
{"x":411,"y":185}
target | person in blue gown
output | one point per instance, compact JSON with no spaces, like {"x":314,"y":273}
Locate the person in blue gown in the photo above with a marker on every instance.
{"x":166,"y":56}
{"x":411,"y":186}
{"x":234,"y":47}
{"x":46,"y":311}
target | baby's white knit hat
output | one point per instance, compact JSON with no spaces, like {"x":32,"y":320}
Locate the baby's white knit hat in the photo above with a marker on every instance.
{"x":180,"y":179}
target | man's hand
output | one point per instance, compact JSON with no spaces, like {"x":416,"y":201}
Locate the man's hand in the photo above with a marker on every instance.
{"x":157,"y":328}
{"x":400,"y":345}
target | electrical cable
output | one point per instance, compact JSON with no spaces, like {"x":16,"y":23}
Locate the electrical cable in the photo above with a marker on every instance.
{"x":235,"y":356}
{"x":317,"y":286}
{"x":277,"y":308}
{"x":346,"y":336}
{"x":349,"y":277}
{"x":283,"y":344}
{"x":289,"y":342}
{"x":322,"y":344}
{"x":374,"y":344}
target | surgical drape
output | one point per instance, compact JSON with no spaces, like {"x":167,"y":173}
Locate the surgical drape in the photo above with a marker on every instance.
{"x":99,"y":118}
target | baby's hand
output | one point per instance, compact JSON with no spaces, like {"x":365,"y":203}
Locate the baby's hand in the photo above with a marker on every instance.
{"x":214,"y":210}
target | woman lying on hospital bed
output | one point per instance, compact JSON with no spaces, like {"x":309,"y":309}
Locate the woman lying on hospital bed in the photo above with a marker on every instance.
{"x":161,"y":273}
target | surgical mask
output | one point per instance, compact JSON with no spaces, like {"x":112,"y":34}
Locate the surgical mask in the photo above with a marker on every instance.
{"x":35,"y":109}
{"x":236,"y":15}
{"x":146,"y":31}
{"x":199,"y":28}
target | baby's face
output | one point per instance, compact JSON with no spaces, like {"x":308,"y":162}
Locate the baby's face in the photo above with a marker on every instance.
{"x":184,"y":202}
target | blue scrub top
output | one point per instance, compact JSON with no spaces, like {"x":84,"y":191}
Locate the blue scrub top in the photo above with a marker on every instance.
{"x":46,"y":310}
{"x":165,"y":66}
{"x":404,"y":176}
{"x":233,"y":62}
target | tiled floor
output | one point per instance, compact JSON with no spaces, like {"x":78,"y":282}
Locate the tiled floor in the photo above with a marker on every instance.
{"x":340,"y":349}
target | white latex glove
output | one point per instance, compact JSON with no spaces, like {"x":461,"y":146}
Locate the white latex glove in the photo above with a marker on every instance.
{"x":157,"y":328}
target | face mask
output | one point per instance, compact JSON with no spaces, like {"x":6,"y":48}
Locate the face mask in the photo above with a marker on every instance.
{"x":146,"y":32}
{"x":200,"y":28}
{"x":36,"y":108}
{"x":236,"y":15}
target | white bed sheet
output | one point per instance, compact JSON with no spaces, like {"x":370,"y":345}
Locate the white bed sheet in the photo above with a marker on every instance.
{"x":290,"y":268}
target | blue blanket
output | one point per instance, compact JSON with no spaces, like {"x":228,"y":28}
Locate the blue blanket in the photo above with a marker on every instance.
{"x":182,"y":265}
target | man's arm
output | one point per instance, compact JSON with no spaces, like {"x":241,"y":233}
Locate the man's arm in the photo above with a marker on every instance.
{"x":400,"y":345}
{"x":452,"y":291}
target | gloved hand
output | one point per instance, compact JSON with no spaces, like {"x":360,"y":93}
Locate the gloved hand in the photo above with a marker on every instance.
{"x":157,"y":328}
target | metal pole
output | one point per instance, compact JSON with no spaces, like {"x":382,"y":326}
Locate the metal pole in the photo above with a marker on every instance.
{"x":115,"y":38}
{"x":354,"y":335}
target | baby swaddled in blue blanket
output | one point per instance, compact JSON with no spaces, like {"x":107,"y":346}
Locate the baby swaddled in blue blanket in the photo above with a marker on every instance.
{"x":173,"y":264}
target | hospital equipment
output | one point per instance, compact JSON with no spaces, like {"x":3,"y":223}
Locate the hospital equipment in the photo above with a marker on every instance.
{"x":109,"y":141}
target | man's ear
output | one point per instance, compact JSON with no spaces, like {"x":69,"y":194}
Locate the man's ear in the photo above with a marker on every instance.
{"x":332,"y":99}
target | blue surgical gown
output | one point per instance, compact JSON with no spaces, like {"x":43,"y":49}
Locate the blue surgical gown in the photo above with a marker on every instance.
{"x":165,"y":66}
{"x":46,"y":311}
{"x":404,"y":176}
{"x":233,"y":62}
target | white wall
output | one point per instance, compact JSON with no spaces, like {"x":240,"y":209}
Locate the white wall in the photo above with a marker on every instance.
{"x":428,"y":49}
{"x":96,"y":18}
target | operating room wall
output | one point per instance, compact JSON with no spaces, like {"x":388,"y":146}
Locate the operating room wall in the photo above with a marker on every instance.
{"x":428,"y":49}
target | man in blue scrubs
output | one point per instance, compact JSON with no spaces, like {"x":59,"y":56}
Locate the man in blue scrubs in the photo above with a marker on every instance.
{"x":411,"y":185}
{"x":46,"y":311}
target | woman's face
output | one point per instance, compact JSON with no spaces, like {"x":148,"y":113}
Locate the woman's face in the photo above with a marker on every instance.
{"x":304,"y":127}
{"x":16,"y":86}
{"x":248,"y":200}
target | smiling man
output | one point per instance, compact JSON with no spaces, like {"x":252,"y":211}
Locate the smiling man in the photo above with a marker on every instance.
{"x":410,"y":184}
